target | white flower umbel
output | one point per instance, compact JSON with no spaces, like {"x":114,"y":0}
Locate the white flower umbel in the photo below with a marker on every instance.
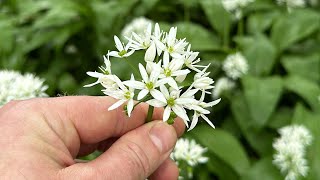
{"x":15,"y":86}
{"x":290,"y":151}
{"x":167,"y":64}
{"x":291,"y":4}
{"x":235,"y":6}
{"x":137,"y":25}
{"x":188,"y":154}
{"x":235,"y":65}
{"x":222,"y":84}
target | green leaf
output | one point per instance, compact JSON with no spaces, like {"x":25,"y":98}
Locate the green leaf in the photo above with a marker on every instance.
{"x":311,"y":121}
{"x":263,"y":170}
{"x":305,"y":88}
{"x":281,"y":118}
{"x":307,"y":67}
{"x":262,"y":96}
{"x":260,"y":140}
{"x":220,"y":168}
{"x":260,"y":53}
{"x":224,"y":146}
{"x":293,"y":27}
{"x":261,"y":21}
{"x":200,"y":38}
{"x":218,"y":17}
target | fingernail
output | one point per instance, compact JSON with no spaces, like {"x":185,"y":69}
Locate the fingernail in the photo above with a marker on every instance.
{"x":163,"y":136}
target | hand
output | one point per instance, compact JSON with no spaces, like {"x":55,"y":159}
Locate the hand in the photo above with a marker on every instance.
{"x":40,"y":139}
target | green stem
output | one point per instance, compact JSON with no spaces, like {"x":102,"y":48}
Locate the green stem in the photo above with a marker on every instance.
{"x":150,"y":113}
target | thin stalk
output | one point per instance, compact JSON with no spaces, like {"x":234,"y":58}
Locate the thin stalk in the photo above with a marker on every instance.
{"x":150,"y":113}
{"x":240,"y":27}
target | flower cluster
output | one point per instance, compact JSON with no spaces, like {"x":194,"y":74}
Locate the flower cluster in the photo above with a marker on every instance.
{"x":235,"y":6}
{"x":137,"y":25}
{"x":292,"y":3}
{"x":190,"y":153}
{"x":15,"y":86}
{"x":290,"y":148}
{"x":235,"y":66}
{"x":167,"y":63}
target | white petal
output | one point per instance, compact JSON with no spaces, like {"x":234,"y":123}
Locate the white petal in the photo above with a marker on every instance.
{"x":130,"y":107}
{"x":181,"y":72}
{"x":116,"y":105}
{"x":92,"y":84}
{"x":134,"y":84}
{"x":164,"y":91}
{"x":166,"y":59}
{"x":118,"y":43}
{"x":143,"y":73}
{"x":166,"y":113}
{"x":208,"y":121}
{"x":173,"y":83}
{"x":129,"y":53}
{"x":181,"y":78}
{"x":150,"y":53}
{"x":194,"y":121}
{"x":189,"y":93}
{"x":142,"y":94}
{"x":156,"y":103}
{"x":114,"y":54}
{"x":180,"y":112}
{"x":183,"y":101}
{"x":158,"y":95}
{"x":213,"y":103}
{"x":95,"y":74}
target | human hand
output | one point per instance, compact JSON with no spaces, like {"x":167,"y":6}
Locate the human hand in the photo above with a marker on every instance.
{"x":40,"y":139}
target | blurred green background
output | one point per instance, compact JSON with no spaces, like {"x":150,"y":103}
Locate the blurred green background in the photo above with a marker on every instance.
{"x":60,"y":40}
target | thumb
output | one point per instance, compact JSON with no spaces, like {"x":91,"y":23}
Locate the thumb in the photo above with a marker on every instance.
{"x":135,"y":155}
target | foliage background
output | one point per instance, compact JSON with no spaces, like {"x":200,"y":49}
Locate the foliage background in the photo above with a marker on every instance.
{"x":60,"y":40}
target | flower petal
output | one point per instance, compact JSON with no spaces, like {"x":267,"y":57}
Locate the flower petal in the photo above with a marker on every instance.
{"x":164,"y":91}
{"x":143,"y":73}
{"x":142,"y":94}
{"x":119,"y":45}
{"x":130,"y":107}
{"x":166,"y":113}
{"x":116,"y":105}
{"x":158,"y":95}
{"x":213,"y":103}
{"x":150,"y":53}
{"x":95,"y":74}
{"x":181,"y":113}
{"x":194,"y":121}
{"x":208,"y":121}
{"x":156,"y":103}
{"x":134,"y":84}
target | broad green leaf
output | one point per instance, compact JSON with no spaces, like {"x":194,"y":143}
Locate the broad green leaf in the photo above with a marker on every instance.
{"x":224,"y":146}
{"x":263,"y":170}
{"x":220,"y":168}
{"x":260,"y":141}
{"x":218,"y":17}
{"x":262,"y":96}
{"x":261,"y":21}
{"x":200,"y":38}
{"x":307,"y":67}
{"x":6,"y":36}
{"x":293,"y":27}
{"x":260,"y":53}
{"x":305,"y":88}
{"x":312,"y":122}
{"x":144,"y":7}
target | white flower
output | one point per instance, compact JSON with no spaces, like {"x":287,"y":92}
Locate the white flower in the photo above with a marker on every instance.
{"x":123,"y":94}
{"x":190,"y":59}
{"x":292,"y":3}
{"x":200,"y":111}
{"x":15,"y":86}
{"x":148,"y":85}
{"x":222,"y":84}
{"x":236,"y":6}
{"x":174,"y":102}
{"x":202,"y":81}
{"x":190,"y":152}
{"x":235,"y":66}
{"x":123,"y":51}
{"x":137,"y":25}
{"x":290,"y":148}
